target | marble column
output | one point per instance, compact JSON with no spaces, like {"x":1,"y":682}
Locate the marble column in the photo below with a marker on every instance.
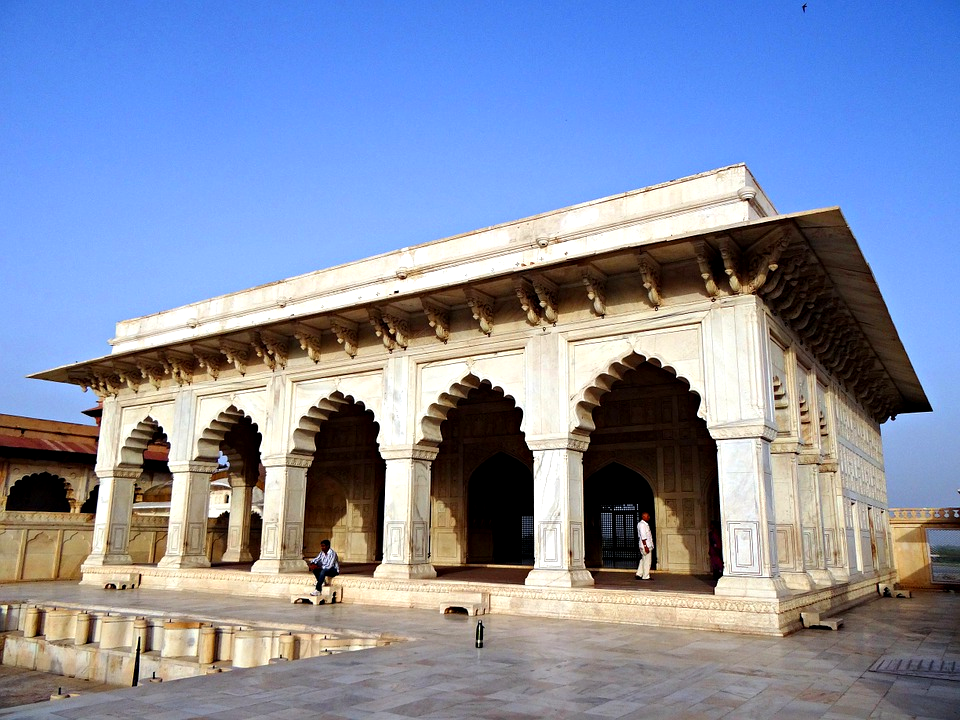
{"x":862,"y":532}
{"x":284,"y":500}
{"x":189,"y":507}
{"x":238,"y":530}
{"x":746,"y":513}
{"x":788,"y":501}
{"x":811,"y":519}
{"x":406,"y":513}
{"x":834,"y":535}
{"x":558,"y":513}
{"x":847,"y":510}
{"x":111,"y":526}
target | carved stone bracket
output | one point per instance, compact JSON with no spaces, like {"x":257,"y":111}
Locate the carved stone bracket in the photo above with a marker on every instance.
{"x":347,"y":334}
{"x":482,"y":306}
{"x":596,"y":284}
{"x":391,"y":329}
{"x":152,"y":372}
{"x":102,"y":383}
{"x":110,"y":382}
{"x":789,"y":272}
{"x":130,"y":375}
{"x":650,"y":273}
{"x":705,"y":259}
{"x":208,"y":360}
{"x":271,"y":347}
{"x":549,"y":295}
{"x":749,"y":276}
{"x":237,"y":353}
{"x":309,"y":339}
{"x":529,"y":302}
{"x":438,"y":317}
{"x":180,"y":366}
{"x":399,"y":326}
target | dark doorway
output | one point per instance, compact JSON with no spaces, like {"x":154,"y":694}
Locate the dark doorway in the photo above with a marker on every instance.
{"x":500,"y":511}
{"x":42,"y":492}
{"x":614,"y":498}
{"x":90,"y":504}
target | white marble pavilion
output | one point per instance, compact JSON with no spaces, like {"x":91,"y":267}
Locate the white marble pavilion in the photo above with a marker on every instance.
{"x":515,"y":395}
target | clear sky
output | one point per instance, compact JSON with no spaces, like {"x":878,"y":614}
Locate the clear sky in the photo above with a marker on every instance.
{"x":156,"y":154}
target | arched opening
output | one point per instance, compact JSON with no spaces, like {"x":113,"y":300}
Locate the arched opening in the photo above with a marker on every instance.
{"x":650,"y":452}
{"x":482,"y":484}
{"x":614,"y":498}
{"x":40,"y":492}
{"x":500,"y":503}
{"x":90,"y":504}
{"x":345,"y":486}
{"x":236,"y":493}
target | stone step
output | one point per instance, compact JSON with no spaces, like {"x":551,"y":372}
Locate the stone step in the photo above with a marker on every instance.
{"x":471,"y":603}
{"x":812,"y":619}
{"x":890,"y":591}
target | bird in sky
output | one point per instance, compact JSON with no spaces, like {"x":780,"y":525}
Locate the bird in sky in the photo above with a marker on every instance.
{"x":804,"y":7}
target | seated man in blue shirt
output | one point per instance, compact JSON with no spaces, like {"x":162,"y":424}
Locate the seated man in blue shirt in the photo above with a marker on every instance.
{"x":325,"y":565}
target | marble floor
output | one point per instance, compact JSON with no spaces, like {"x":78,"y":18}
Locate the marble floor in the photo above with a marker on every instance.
{"x":536,"y":667}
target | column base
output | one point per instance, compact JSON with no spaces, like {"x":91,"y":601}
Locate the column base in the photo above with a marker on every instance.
{"x":559,"y":578}
{"x":752,"y":587}
{"x":397,"y":571}
{"x":181,"y":562}
{"x":821,"y":577}
{"x":103,"y":560}
{"x":798,"y":581}
{"x":277,"y":567}
{"x":237,"y":556}
{"x":839,"y":575}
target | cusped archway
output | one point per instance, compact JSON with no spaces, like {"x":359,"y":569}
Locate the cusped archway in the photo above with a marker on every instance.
{"x":346,"y":479}
{"x":40,"y":492}
{"x":590,"y":395}
{"x":211,"y":438}
{"x":647,"y":432}
{"x":480,"y":424}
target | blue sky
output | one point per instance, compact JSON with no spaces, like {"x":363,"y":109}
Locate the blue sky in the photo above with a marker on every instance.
{"x":155,"y":154}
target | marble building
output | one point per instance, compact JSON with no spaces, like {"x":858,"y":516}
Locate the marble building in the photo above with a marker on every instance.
{"x":517,"y":394}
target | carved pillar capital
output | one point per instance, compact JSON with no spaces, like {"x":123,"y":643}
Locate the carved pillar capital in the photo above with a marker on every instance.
{"x":577,"y":443}
{"x":408,"y":452}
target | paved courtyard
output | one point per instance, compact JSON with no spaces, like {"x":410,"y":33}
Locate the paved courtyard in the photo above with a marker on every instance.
{"x":538,"y":668}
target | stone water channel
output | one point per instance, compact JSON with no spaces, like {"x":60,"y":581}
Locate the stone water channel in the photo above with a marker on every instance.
{"x":101,"y":646}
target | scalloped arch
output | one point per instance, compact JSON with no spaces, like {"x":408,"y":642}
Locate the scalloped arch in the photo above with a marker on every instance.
{"x":304,"y":437}
{"x":131,"y":452}
{"x":437,"y":411}
{"x":208,"y":444}
{"x":22,"y":492}
{"x":589,"y":397}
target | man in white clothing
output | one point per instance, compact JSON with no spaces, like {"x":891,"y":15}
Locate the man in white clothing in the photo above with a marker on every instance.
{"x":646,"y":547}
{"x":325,"y":565}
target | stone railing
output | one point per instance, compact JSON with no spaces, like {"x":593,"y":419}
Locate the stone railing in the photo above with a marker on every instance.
{"x":910,"y":528}
{"x":927,"y":514}
{"x":52,"y":546}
